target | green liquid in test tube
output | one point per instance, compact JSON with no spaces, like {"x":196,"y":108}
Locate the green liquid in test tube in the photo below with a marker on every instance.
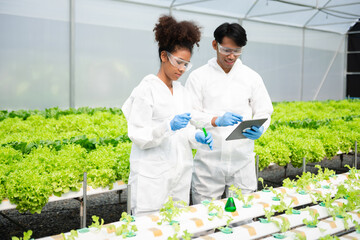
{"x":204,"y":130}
{"x":230,"y":205}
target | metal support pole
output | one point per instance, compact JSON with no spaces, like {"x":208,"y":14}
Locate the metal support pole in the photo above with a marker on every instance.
{"x":257,"y":166}
{"x":257,"y":171}
{"x":285,"y":169}
{"x":128,"y":205}
{"x":72,"y":54}
{"x":355,"y":159}
{"x":341,"y":160}
{"x":120,"y":192}
{"x":83,"y":204}
{"x":304,"y":165}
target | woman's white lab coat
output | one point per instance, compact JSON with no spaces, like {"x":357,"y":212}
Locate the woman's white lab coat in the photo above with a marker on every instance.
{"x":161,"y":159}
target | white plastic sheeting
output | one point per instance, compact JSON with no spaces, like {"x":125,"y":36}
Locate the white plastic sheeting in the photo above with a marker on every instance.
{"x":298,"y":47}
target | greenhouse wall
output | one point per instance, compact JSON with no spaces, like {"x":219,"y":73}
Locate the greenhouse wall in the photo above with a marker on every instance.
{"x":115,"y":49}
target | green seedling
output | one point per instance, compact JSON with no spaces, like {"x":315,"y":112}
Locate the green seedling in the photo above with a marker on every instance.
{"x":282,"y":206}
{"x":326,"y":199}
{"x":265,"y":188}
{"x":246,"y":201}
{"x":186,"y":235}
{"x":353,"y":172}
{"x":126,"y":229}
{"x":26,"y":236}
{"x":176,"y":227}
{"x":73,"y":234}
{"x":340,"y":212}
{"x":96,"y":224}
{"x":227,"y":229}
{"x":283,"y":226}
{"x":314,"y":218}
{"x":357,"y":226}
{"x":289,"y":183}
{"x":169,"y":211}
{"x":279,"y":196}
{"x":304,"y":182}
{"x":323,"y":175}
{"x":214,"y":211}
{"x":268,"y":214}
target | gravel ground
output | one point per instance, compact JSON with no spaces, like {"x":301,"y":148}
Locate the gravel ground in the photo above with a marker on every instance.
{"x":62,"y":216}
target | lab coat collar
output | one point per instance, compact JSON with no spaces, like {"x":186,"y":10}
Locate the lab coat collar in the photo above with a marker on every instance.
{"x":213,"y":63}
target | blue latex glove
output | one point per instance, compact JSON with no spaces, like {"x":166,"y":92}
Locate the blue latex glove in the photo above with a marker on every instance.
{"x":228,"y":119}
{"x":254,"y":133}
{"x":180,"y":121}
{"x":200,"y":137}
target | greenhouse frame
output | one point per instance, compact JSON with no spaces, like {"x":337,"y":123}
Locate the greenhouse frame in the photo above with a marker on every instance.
{"x":67,"y":142}
{"x":74,"y":53}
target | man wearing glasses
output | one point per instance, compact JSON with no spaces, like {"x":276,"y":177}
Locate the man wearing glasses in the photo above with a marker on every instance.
{"x":225,"y":92}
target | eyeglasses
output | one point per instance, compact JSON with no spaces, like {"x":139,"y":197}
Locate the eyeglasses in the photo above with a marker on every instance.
{"x":178,"y":62}
{"x":228,"y":51}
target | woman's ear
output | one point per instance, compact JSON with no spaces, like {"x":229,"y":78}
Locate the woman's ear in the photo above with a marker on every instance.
{"x":163,"y":56}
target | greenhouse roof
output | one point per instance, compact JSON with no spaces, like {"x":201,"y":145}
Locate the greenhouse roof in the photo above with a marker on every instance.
{"x":326,"y":15}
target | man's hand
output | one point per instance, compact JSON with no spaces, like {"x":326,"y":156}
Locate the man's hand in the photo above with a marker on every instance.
{"x":254,"y":133}
{"x":228,"y":119}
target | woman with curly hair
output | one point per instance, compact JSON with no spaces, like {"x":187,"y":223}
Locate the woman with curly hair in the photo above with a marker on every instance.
{"x":158,"y":112}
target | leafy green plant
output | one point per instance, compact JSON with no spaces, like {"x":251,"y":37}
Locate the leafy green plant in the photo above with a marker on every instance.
{"x":214,"y":210}
{"x":323,"y":175}
{"x":282,"y":206}
{"x":283,"y":226}
{"x":279,"y":196}
{"x":264,"y":187}
{"x":96,"y":224}
{"x":340,"y":212}
{"x":73,"y":235}
{"x":127,"y":229}
{"x":289,"y":183}
{"x":227,"y":229}
{"x":304,"y":181}
{"x":353,"y":172}
{"x":326,"y":200}
{"x":26,"y":236}
{"x":241,"y":197}
{"x":313,"y":222}
{"x":170,"y":211}
{"x":268,"y":214}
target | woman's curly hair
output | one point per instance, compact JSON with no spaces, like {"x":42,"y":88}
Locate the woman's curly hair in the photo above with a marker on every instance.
{"x":172,"y":35}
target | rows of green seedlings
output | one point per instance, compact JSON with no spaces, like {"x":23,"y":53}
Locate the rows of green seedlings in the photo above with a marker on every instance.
{"x":172,"y":210}
{"x":25,"y":135}
{"x":287,"y":144}
{"x":28,"y":180}
{"x":314,"y":110}
{"x":313,"y":130}
{"x":47,"y":152}
{"x":38,"y":127}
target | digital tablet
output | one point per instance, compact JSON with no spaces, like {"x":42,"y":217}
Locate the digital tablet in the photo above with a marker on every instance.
{"x":237,"y":133}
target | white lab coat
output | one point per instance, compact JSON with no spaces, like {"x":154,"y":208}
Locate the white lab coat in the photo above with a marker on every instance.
{"x":161,"y":159}
{"x":213,"y":93}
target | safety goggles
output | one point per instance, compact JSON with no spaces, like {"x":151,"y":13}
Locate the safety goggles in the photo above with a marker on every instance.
{"x":178,"y":62}
{"x":228,"y":51}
